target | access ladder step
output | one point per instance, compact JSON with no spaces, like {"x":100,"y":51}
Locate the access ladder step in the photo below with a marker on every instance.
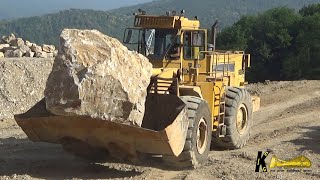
{"x":222,"y":130}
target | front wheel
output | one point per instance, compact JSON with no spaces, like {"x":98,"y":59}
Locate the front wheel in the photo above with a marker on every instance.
{"x":198,"y":140}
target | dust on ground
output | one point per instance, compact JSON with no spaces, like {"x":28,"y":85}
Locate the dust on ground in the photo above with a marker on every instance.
{"x":288,"y":124}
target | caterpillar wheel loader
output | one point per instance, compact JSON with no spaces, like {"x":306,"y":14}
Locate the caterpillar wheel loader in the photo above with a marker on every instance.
{"x":196,"y":99}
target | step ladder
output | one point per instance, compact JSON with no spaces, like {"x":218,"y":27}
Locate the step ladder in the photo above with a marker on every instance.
{"x":222,"y":129}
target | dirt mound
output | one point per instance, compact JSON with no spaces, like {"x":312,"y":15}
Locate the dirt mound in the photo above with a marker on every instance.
{"x":273,"y":92}
{"x":22,"y":82}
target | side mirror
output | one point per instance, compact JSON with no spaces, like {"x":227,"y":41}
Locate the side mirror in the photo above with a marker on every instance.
{"x":127,"y":36}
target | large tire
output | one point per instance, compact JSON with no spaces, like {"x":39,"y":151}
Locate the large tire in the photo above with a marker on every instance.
{"x":198,"y":140}
{"x":238,"y":119}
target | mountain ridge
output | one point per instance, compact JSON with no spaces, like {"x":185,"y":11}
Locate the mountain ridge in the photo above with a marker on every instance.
{"x":46,"y":29}
{"x":13,"y":9}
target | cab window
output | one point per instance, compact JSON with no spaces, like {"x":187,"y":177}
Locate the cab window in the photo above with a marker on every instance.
{"x":193,"y":43}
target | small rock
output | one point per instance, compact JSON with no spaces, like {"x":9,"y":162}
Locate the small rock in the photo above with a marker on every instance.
{"x":14,"y":176}
{"x":28,"y":43}
{"x":8,"y":53}
{"x":24,"y":49}
{"x":17,"y":53}
{"x":2,"y":46}
{"x":55,"y":53}
{"x":35,"y":48}
{"x":8,"y":39}
{"x":29,"y":54}
{"x":48,"y":48}
{"x":10,"y":48}
{"x":266,"y":82}
{"x":2,"y":41}
{"x":1,"y":55}
{"x":41,"y":54}
{"x":17,"y":42}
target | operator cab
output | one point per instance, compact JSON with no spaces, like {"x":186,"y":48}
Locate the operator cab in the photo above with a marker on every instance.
{"x":166,"y":44}
{"x":156,"y":44}
{"x":162,"y":38}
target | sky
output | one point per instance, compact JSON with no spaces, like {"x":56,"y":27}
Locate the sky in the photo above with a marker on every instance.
{"x":25,"y":8}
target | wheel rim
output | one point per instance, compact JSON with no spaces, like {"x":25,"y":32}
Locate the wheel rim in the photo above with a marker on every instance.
{"x":202,"y":136}
{"x":242,"y":119}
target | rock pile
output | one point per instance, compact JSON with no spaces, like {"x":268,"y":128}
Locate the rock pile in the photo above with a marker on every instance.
{"x":95,"y":75}
{"x":10,"y":46}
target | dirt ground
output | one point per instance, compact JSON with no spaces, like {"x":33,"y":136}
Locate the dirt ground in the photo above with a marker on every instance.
{"x":288,"y":124}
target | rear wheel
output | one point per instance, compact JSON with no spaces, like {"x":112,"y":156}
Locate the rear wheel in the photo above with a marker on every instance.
{"x":238,"y":119}
{"x":199,"y":134}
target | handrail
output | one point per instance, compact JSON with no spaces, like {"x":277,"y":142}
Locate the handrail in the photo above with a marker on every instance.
{"x":216,"y":57}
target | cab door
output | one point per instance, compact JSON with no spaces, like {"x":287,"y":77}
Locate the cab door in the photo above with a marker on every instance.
{"x":193,"y":60}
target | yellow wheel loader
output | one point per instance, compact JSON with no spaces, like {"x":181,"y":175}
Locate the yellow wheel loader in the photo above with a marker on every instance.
{"x":196,"y":99}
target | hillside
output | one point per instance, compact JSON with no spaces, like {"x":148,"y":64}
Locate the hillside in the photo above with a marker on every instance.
{"x":17,"y":8}
{"x":45,"y":29}
{"x":226,"y":11}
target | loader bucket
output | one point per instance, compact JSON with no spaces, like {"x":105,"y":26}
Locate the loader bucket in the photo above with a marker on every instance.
{"x":163,"y":130}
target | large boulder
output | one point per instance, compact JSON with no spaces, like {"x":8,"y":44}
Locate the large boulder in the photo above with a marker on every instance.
{"x":95,"y":75}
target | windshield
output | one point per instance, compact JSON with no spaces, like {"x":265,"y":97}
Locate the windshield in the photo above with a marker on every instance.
{"x":163,"y":40}
{"x":153,"y":43}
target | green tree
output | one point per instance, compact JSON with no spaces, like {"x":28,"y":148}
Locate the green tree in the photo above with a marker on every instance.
{"x":310,"y":10}
{"x":271,"y":40}
{"x":303,"y":61}
{"x":267,"y":37}
{"x":237,"y":36}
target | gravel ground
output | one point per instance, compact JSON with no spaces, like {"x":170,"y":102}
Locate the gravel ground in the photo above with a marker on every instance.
{"x":22,"y":82}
